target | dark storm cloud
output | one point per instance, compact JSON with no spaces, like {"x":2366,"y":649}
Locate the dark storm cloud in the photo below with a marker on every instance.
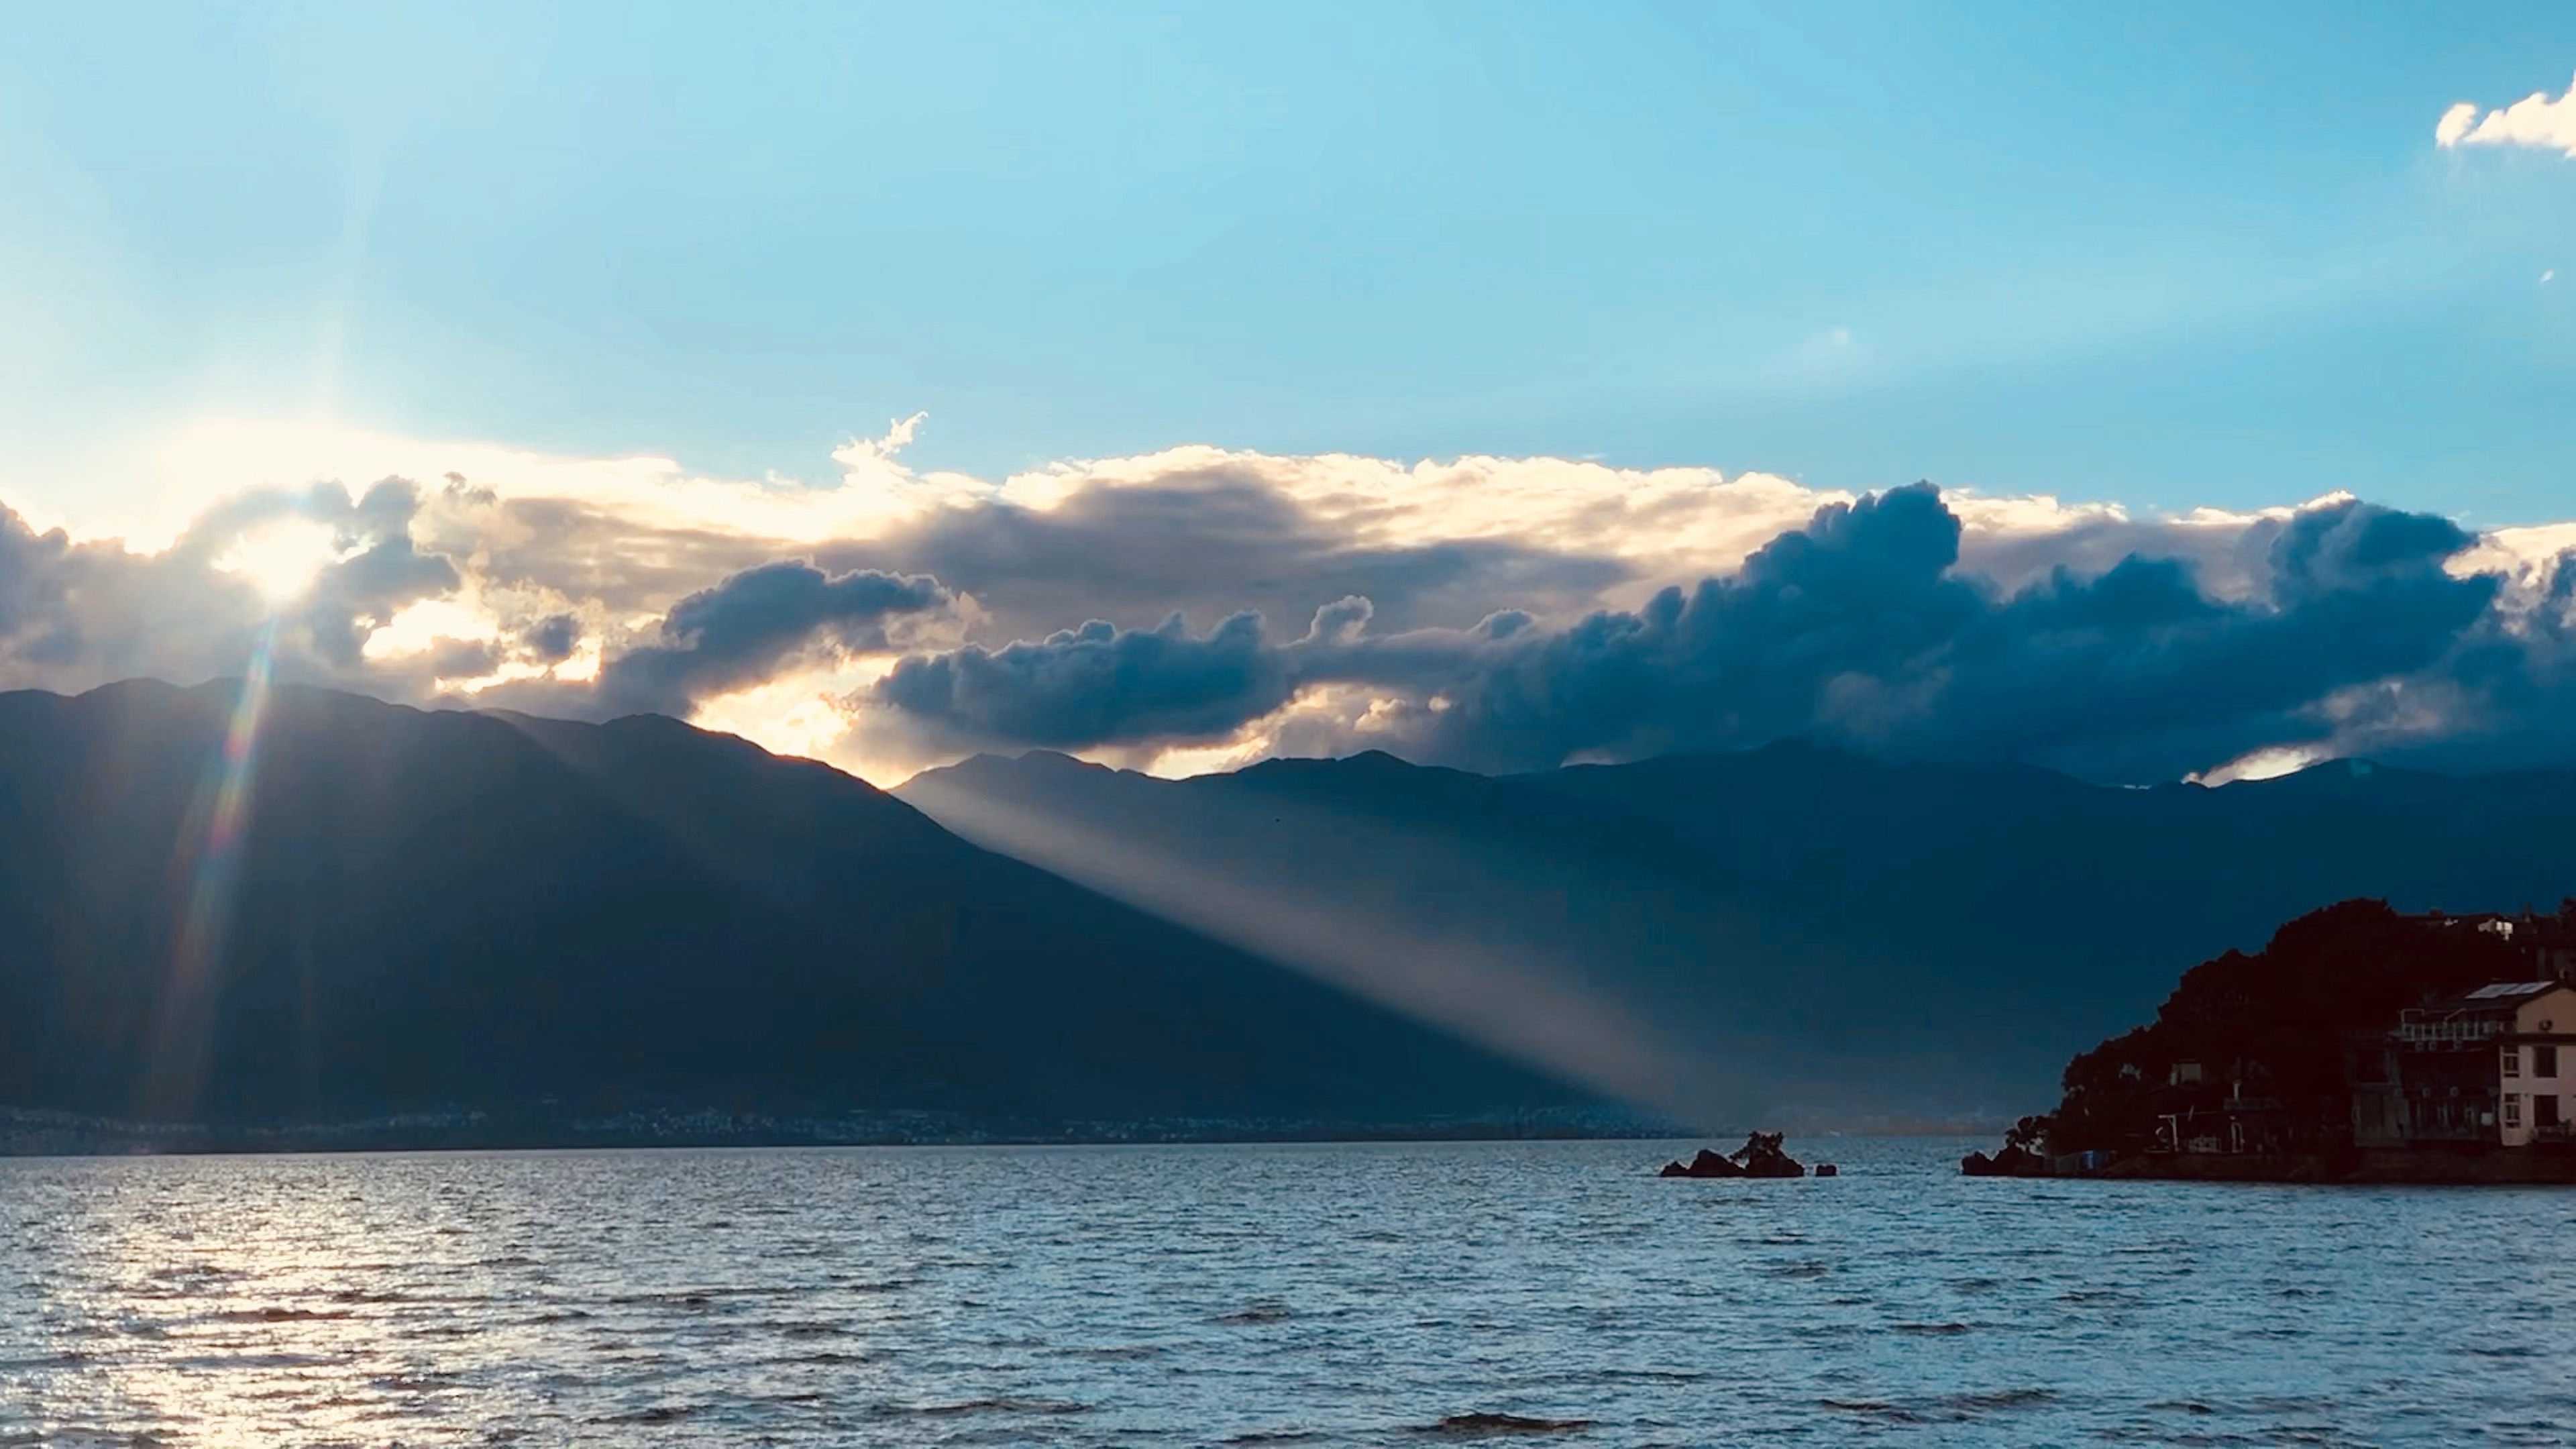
{"x":73,"y":615}
{"x":382,"y":570}
{"x":1204,"y":542}
{"x":579,"y":550}
{"x":1097,"y":685}
{"x":2136,"y":674}
{"x":2505,"y":700}
{"x":736,"y":634}
{"x":35,"y":626}
{"x":552,"y":640}
{"x":1858,"y":626}
{"x":1209,"y":543}
{"x":461,"y":659}
{"x":1864,"y":592}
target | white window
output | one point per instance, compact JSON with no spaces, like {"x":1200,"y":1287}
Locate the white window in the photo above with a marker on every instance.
{"x":2513,"y":1061}
{"x":2513,"y":1109}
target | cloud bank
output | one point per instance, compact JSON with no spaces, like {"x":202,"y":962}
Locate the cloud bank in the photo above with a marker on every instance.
{"x":1202,"y":607}
{"x":1858,"y":625}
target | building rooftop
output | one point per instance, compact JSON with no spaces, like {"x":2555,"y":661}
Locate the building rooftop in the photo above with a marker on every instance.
{"x":2509,"y":990}
{"x":2474,"y":1016}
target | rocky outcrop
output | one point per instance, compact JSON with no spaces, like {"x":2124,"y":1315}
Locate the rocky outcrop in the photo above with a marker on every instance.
{"x":1760,"y":1156}
{"x":1479,"y":1425}
{"x":2014,"y":1160}
{"x":2021,"y":1155}
{"x":1706,"y":1164}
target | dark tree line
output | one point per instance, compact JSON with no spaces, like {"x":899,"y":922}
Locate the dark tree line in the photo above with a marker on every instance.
{"x":2274,"y":1027}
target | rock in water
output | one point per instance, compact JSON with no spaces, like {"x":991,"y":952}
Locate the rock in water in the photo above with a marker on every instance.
{"x":1706,"y":1164}
{"x":1759,"y":1157}
{"x":1464,"y":1424}
{"x":1762,"y":1156}
{"x":2014,"y":1161}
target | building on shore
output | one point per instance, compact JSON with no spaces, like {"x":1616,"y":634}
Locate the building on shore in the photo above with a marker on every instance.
{"x":2546,"y":942}
{"x":2359,"y":1045}
{"x":2246,"y":1118}
{"x":2491,"y":1067}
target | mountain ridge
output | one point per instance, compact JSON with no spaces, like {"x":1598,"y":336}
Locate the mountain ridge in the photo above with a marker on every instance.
{"x":444,"y":909}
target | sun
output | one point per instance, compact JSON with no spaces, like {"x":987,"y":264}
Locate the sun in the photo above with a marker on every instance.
{"x":281,"y":559}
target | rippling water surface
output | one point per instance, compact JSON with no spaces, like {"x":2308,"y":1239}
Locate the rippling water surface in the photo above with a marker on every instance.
{"x":1259,"y":1295}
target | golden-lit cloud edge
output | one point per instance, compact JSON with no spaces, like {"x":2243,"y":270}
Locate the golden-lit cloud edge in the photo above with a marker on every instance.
{"x":526,"y":574}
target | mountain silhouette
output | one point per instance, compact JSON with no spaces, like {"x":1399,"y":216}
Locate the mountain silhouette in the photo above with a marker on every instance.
{"x":402,"y":912}
{"x":440,"y":910}
{"x":2109,"y":891}
{"x":1857,"y":937}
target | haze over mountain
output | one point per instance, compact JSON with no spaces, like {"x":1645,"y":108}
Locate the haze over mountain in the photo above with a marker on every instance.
{"x":372,"y":909}
{"x":1489,"y":902}
{"x":1861,"y":936}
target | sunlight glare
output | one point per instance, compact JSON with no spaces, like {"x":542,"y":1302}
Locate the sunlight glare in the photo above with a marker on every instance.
{"x":801,"y":714}
{"x":420,"y":627}
{"x":2269,"y":763}
{"x":282,"y":559}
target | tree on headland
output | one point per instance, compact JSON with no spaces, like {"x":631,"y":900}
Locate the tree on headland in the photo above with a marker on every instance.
{"x":2272,"y":1027}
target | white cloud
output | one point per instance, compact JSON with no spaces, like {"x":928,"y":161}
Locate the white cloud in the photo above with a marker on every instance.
{"x":2537,"y":121}
{"x":2524,"y":557}
{"x":220,"y":457}
{"x":1661,"y":525}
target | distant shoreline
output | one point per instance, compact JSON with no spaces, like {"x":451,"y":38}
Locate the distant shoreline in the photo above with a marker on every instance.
{"x":46,"y":1134}
{"x":20,"y":1139}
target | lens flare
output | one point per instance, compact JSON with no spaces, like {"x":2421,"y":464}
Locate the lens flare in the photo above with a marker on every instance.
{"x":217,"y":832}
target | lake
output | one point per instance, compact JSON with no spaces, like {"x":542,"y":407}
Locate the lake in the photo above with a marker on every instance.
{"x":1315,"y":1295}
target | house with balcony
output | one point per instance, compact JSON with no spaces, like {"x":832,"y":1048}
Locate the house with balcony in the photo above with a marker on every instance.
{"x":2491,"y":1067}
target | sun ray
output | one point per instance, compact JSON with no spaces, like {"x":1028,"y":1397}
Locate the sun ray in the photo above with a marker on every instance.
{"x":215,"y":838}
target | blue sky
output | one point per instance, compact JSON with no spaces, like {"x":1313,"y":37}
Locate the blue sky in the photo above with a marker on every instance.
{"x":2173,"y":255}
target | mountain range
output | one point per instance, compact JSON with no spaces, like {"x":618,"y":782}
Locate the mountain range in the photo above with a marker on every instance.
{"x":524,"y":929}
{"x":525,"y":922}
